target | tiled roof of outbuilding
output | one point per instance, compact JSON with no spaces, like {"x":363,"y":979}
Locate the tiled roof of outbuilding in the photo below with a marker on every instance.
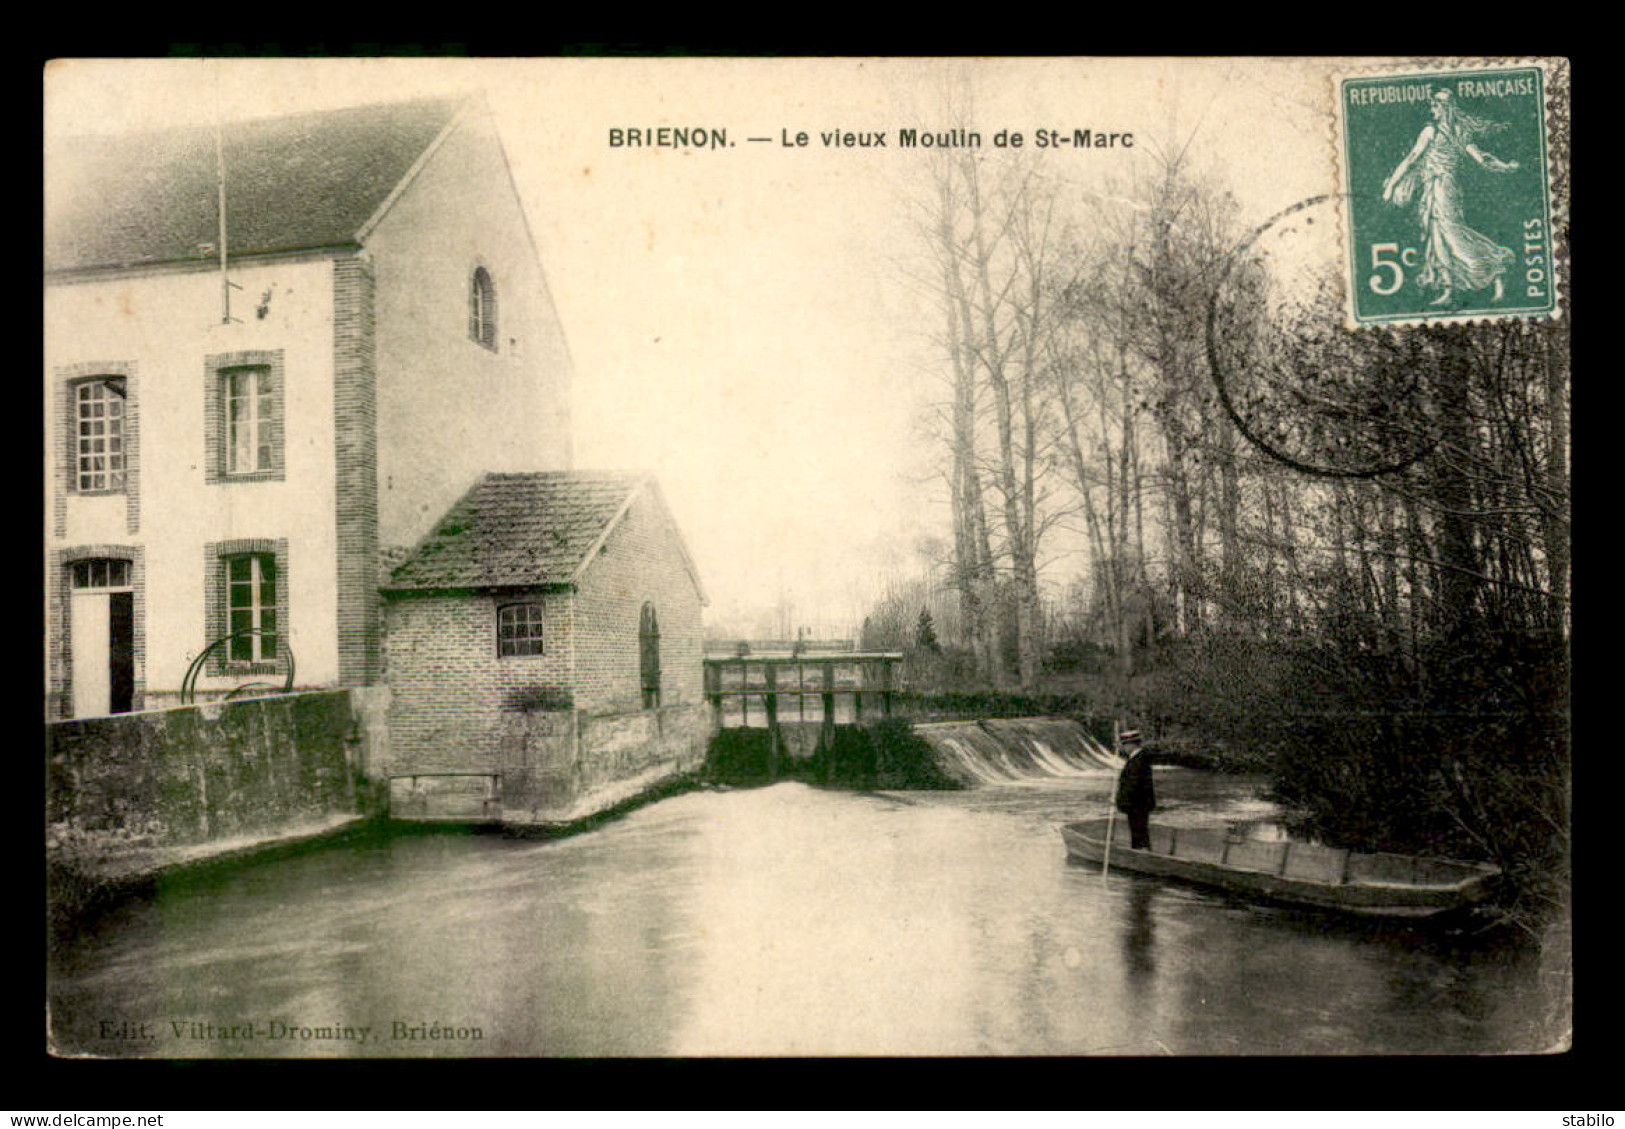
{"x":520,"y":530}
{"x":292,"y":183}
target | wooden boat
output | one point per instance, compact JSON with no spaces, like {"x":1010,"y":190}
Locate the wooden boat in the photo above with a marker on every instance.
{"x":1374,"y":884}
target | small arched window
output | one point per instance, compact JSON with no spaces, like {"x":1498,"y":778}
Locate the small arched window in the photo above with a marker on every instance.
{"x":649,"y":656}
{"x":482,"y":309}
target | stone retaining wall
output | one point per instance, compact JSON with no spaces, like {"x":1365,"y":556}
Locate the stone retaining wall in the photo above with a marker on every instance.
{"x":127,"y":793}
{"x":560,"y":766}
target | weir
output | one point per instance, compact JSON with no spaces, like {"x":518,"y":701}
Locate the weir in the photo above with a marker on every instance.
{"x":1001,"y":750}
{"x":801,"y":697}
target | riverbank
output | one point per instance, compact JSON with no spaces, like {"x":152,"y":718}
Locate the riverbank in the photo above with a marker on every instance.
{"x":87,"y":872}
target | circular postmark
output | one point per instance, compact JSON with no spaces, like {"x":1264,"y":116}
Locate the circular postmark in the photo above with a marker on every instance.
{"x":1296,"y":382}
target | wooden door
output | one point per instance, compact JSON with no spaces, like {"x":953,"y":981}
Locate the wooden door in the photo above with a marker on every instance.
{"x":120,"y":651}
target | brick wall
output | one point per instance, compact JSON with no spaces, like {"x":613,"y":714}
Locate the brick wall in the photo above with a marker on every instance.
{"x":449,"y":688}
{"x":641,"y":562}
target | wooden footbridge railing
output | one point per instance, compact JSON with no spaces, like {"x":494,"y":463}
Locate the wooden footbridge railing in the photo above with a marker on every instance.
{"x":825,"y":688}
{"x":771,"y":690}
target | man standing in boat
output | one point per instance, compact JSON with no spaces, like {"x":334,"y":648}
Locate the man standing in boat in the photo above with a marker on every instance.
{"x":1136,"y":795}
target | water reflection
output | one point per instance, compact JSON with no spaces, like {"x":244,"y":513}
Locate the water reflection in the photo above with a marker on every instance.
{"x":1138,"y":938}
{"x":784,"y":920}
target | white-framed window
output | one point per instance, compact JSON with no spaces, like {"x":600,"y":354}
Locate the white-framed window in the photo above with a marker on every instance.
{"x":251,"y":604}
{"x":519,"y":629}
{"x":99,"y":435}
{"x":245,"y":416}
{"x":482,"y":308}
{"x":250,"y":402}
{"x":100,"y":573}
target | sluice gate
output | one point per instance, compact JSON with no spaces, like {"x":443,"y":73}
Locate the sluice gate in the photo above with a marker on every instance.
{"x":800,"y":693}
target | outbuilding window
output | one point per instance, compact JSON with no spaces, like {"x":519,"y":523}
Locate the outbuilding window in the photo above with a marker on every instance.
{"x":519,"y":629}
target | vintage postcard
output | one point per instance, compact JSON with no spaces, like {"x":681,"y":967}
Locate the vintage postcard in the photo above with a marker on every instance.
{"x":652,"y":558}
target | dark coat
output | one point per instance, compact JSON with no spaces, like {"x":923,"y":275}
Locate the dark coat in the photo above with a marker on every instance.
{"x":1135,"y":792}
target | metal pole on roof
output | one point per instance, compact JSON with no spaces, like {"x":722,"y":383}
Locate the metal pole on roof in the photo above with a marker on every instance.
{"x":220,"y":176}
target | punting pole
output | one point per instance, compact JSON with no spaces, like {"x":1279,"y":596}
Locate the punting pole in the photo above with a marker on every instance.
{"x":1111,"y":802}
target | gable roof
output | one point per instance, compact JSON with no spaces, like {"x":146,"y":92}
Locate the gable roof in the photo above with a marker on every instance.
{"x":527,"y":530}
{"x":292,"y":183}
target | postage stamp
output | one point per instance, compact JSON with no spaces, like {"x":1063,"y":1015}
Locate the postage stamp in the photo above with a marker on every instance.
{"x":1447,"y":201}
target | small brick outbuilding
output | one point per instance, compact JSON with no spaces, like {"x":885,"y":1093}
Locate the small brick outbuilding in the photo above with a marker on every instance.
{"x":539,"y":595}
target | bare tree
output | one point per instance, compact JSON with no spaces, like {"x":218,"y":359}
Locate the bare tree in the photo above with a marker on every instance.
{"x":995,"y":241}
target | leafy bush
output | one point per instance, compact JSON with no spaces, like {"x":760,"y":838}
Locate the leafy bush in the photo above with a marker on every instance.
{"x":1472,"y":762}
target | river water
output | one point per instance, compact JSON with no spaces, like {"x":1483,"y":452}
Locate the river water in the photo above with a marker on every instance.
{"x":784,"y":920}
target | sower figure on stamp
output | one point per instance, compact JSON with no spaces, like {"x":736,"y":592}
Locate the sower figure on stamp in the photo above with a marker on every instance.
{"x":1136,"y":795}
{"x":1454,"y":255}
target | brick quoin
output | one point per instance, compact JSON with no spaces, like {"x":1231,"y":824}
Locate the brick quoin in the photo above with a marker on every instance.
{"x":355,"y":449}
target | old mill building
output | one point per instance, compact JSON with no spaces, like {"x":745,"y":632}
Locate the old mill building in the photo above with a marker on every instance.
{"x":308,"y":425}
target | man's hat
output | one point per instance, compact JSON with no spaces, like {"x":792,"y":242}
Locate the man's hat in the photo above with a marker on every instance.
{"x":1131,"y":737}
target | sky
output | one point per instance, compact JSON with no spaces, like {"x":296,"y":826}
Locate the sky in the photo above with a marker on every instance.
{"x":743,"y":321}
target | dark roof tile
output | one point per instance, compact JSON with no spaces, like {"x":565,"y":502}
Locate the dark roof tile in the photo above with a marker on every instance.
{"x":292,"y":183}
{"x":518,"y":530}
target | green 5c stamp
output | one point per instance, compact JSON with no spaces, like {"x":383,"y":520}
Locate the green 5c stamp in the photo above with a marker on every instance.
{"x":1447,"y":208}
